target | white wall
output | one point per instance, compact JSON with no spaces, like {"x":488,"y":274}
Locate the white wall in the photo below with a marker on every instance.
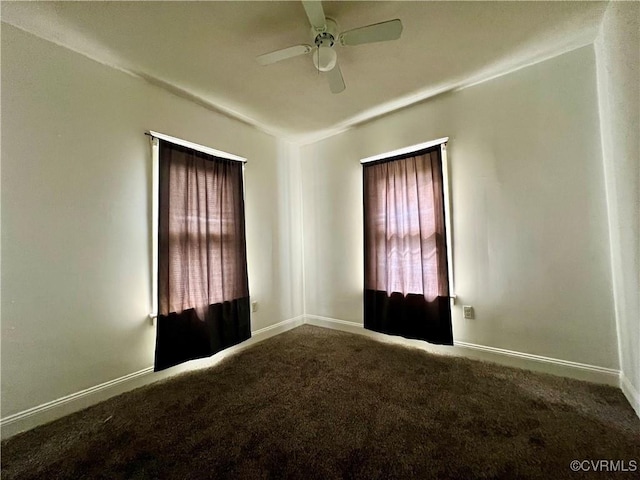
{"x":529,"y":213}
{"x":618,"y":54}
{"x":76,"y":195}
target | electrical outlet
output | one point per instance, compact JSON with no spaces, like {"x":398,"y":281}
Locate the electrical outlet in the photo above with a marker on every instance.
{"x":254,"y":306}
{"x":468,"y":311}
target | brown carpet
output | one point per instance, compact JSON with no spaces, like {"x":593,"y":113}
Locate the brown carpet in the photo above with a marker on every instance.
{"x":319,"y":404}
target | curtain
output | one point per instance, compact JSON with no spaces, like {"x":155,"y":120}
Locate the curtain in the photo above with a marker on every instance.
{"x":203,"y":291}
{"x":406,"y":273}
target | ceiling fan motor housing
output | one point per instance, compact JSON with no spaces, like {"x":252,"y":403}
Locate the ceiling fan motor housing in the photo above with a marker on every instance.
{"x":325,"y":57}
{"x":328,"y":37}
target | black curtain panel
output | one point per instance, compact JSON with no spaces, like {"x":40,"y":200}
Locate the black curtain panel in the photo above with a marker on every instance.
{"x":406,"y":275}
{"x":203,"y":290}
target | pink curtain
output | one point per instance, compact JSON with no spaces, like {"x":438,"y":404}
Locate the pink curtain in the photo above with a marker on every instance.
{"x":204,"y":251}
{"x":203,"y":293}
{"x":405,"y":241}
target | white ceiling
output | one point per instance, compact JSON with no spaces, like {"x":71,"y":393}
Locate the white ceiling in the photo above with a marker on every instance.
{"x":206,"y":51}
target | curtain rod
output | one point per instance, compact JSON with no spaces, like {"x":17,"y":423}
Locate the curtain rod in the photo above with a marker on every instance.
{"x":195,"y":146}
{"x":406,"y":150}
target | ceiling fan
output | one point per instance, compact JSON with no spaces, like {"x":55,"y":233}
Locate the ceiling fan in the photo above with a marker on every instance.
{"x":325,"y":36}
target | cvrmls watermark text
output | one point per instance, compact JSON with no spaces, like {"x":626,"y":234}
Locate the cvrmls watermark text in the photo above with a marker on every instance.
{"x":604,"y":465}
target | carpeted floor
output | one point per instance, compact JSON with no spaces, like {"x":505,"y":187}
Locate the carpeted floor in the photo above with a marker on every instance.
{"x":314,"y":403}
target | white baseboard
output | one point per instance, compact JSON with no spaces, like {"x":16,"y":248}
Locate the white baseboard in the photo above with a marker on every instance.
{"x":41,"y":414}
{"x":538,"y":363}
{"x":336,"y":324}
{"x":47,"y":412}
{"x":630,"y":392}
{"x":60,"y":407}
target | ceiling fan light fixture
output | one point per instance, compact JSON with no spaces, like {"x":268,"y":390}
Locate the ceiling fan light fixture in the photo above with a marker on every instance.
{"x":324,"y":58}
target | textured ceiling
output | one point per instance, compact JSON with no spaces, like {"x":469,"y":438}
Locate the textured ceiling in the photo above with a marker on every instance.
{"x":206,"y":51}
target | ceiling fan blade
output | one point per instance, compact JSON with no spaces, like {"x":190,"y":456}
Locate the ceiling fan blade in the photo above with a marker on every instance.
{"x":315,"y":12}
{"x":273,"y":57}
{"x":336,"y":82}
{"x":378,"y":32}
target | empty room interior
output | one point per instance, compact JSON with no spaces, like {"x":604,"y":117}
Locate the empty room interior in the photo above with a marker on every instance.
{"x":518,"y":352}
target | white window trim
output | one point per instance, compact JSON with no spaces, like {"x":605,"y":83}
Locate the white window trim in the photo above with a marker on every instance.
{"x":447,"y":197}
{"x":155,"y":186}
{"x":447,"y":219}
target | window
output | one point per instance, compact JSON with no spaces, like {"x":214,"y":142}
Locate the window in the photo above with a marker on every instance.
{"x":406,"y":258}
{"x":202,"y":285}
